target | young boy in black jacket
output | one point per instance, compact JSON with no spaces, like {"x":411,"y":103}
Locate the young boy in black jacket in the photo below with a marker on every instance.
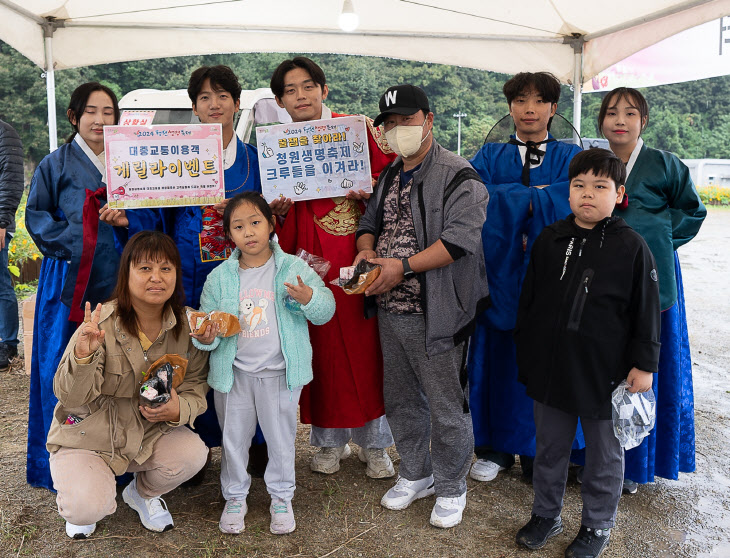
{"x":588,"y":318}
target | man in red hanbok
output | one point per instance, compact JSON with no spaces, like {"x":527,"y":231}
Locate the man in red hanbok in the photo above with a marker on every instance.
{"x":345,"y":400}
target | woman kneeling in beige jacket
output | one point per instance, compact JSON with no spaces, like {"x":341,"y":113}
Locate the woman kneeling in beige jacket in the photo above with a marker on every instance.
{"x":99,"y":428}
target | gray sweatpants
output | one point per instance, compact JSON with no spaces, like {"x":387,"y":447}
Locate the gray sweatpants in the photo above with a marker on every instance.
{"x":426,"y":404}
{"x":373,"y":434}
{"x":268,"y":401}
{"x":603,"y":475}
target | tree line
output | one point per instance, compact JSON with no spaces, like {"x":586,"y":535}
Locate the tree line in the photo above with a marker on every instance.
{"x":690,"y":119}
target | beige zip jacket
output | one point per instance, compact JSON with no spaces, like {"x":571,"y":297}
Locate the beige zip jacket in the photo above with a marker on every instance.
{"x":105,"y":393}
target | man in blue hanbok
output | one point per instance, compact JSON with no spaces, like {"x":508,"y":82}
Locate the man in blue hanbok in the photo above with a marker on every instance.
{"x":198,"y":231}
{"x":527,"y":179}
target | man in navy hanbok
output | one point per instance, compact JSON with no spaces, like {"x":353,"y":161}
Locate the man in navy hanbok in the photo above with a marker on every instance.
{"x":527,"y":179}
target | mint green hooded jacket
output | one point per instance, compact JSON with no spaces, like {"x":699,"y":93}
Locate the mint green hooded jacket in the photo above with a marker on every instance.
{"x":221,"y":292}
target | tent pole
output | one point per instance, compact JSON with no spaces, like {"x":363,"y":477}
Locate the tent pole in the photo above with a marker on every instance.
{"x":577,"y":82}
{"x":48,"y":29}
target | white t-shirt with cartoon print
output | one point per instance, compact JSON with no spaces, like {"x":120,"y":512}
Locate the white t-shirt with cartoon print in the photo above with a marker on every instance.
{"x":259,"y":346}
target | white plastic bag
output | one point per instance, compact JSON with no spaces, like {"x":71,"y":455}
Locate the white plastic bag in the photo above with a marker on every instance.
{"x":634,"y":415}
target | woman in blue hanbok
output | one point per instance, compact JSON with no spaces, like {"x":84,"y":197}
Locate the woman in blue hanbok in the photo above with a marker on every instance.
{"x":664,"y":207}
{"x":80,"y":260}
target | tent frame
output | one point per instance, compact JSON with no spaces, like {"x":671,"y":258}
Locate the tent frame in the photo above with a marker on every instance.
{"x":577,"y":41}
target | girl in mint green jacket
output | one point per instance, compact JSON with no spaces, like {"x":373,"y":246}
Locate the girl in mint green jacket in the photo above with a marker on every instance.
{"x":258,"y":374}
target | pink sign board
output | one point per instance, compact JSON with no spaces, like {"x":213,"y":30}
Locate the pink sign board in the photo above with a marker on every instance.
{"x":163,"y":166}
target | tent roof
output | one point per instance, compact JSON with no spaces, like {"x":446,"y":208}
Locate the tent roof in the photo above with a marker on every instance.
{"x":499,"y":36}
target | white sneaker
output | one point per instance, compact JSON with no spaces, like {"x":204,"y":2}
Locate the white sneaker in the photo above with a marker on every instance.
{"x":484,"y":470}
{"x":232,"y":518}
{"x":327,"y":460}
{"x":282,"y":517}
{"x":447,"y":512}
{"x":379,"y":464}
{"x":404,"y":492}
{"x":152,"y":511}
{"x":80,"y":531}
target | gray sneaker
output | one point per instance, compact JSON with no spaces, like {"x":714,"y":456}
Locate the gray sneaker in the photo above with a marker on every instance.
{"x":282,"y":517}
{"x":404,"y":492}
{"x":327,"y":460}
{"x":232,"y":518}
{"x":152,"y":511}
{"x":379,"y":464}
{"x":484,"y":470}
{"x":447,"y":512}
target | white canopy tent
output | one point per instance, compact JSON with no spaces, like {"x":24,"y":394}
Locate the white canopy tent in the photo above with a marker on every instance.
{"x":574,"y":39}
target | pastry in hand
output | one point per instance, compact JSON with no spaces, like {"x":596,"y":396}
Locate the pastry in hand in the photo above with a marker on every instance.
{"x":228,"y":324}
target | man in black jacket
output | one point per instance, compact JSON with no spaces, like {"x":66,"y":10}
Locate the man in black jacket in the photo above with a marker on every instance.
{"x":588,"y":318}
{"x":11,"y":190}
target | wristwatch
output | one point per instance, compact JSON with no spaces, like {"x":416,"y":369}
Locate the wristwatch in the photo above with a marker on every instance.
{"x":407,"y":271}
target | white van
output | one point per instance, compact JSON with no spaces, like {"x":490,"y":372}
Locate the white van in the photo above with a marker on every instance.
{"x":258,"y":107}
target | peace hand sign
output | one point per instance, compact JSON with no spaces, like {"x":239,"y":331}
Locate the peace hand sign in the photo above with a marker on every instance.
{"x":90,"y":336}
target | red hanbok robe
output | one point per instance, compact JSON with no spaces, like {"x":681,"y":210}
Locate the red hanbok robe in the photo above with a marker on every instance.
{"x":347,"y":389}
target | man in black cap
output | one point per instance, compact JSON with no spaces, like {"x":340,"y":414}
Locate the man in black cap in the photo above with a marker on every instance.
{"x":423,"y":226}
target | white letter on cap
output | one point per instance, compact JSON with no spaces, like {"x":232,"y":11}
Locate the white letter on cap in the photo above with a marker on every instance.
{"x":390,"y":97}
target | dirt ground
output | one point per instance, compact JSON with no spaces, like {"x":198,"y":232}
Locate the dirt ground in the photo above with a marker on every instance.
{"x":340,"y":515}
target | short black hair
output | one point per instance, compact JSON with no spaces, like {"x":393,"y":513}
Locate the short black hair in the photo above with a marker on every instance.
{"x":601,"y":162}
{"x":311,"y":67}
{"x":221,"y":77}
{"x":545,"y":83}
{"x":79,"y":100}
{"x":631,"y":96}
{"x":255,"y":199}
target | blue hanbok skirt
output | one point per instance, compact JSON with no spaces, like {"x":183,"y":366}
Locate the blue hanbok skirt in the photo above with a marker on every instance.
{"x":51,"y":334}
{"x":670,"y":448}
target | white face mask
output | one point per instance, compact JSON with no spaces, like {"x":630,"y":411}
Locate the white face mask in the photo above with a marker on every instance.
{"x":406,"y":140}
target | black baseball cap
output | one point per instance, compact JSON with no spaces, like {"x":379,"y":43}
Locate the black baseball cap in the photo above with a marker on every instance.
{"x":402,"y":99}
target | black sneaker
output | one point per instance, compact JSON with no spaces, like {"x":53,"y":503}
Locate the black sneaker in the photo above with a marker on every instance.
{"x":630,"y":487}
{"x":7,"y":353}
{"x":589,"y":543}
{"x":538,"y":530}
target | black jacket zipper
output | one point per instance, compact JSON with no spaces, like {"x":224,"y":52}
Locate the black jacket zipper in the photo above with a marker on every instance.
{"x":579,"y":301}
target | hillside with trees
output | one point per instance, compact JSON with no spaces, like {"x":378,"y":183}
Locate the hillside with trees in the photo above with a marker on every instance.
{"x":691,"y":119}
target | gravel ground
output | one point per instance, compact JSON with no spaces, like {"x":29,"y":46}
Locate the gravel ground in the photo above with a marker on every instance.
{"x":340,"y":515}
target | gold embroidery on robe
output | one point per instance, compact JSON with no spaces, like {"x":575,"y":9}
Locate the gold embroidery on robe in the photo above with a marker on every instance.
{"x":342,"y":219}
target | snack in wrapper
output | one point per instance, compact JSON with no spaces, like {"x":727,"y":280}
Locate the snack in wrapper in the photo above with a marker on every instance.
{"x":228,"y":324}
{"x":362,"y":277}
{"x":165,"y":374}
{"x":346,"y":274}
{"x":156,"y":390}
